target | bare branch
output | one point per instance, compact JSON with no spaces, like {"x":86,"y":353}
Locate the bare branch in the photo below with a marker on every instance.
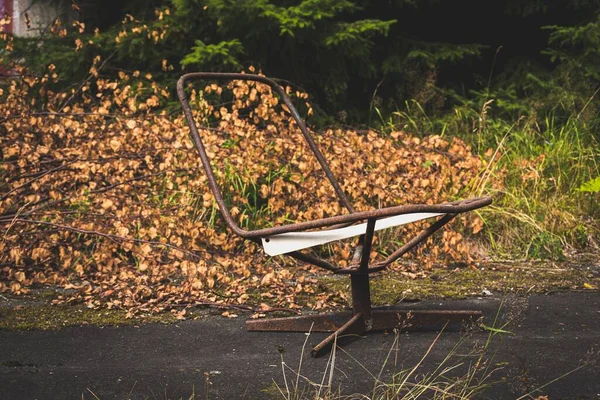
{"x":114,"y":238}
{"x":86,"y":80}
{"x":35,"y":179}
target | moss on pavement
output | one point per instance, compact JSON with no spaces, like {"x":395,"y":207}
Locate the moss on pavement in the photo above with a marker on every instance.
{"x":44,"y":316}
{"x":36,"y":311}
{"x":392,"y":287}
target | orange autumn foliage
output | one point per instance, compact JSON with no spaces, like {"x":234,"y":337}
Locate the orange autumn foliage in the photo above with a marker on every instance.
{"x":102,"y":193}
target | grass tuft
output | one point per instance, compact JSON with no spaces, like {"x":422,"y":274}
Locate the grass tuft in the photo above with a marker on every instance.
{"x":548,"y":166}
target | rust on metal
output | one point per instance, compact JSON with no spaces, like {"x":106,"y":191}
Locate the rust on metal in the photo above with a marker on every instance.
{"x":353,"y":269}
{"x":414,"y":242}
{"x":359,"y":281}
{"x":383,"y":320}
{"x":354,"y":326}
{"x":303,"y":323}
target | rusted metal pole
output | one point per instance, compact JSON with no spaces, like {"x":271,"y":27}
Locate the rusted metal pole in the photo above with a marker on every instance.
{"x":353,"y":326}
{"x":359,"y":281}
{"x":414,"y":242}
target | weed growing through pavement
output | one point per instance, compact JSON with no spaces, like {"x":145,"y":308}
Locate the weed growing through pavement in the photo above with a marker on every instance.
{"x":467,"y":371}
{"x":460,"y":375}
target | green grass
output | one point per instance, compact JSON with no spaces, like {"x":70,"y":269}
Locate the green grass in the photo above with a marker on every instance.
{"x":540,"y":216}
{"x":544,"y":161}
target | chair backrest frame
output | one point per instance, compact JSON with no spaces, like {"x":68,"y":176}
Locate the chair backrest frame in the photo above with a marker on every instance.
{"x":450,"y":209}
{"x":212,"y":182}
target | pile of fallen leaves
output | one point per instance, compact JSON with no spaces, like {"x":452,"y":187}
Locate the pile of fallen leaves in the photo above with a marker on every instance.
{"x":102,"y":193}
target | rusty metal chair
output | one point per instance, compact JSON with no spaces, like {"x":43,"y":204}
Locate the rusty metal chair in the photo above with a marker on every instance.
{"x":290,"y":239}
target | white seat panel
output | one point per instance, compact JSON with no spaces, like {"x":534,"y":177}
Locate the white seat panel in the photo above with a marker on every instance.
{"x":293,"y":241}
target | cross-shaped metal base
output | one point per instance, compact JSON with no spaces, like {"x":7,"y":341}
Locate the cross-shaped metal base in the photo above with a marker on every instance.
{"x":363,"y":318}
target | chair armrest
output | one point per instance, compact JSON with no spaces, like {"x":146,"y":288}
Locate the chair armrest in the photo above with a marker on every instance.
{"x":456,"y":207}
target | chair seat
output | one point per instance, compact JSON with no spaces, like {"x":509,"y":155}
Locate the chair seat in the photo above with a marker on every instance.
{"x":292,"y":241}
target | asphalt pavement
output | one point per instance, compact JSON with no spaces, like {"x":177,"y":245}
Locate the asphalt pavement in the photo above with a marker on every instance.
{"x":547,"y":336}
